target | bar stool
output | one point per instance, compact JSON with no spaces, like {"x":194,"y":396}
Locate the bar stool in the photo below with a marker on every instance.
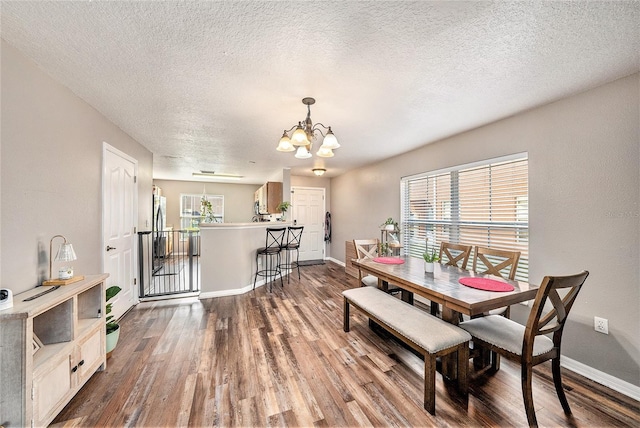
{"x":273,"y":246}
{"x":294,"y":236}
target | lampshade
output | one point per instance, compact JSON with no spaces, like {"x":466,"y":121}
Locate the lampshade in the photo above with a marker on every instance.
{"x":302,"y":153}
{"x":65,"y":253}
{"x":285,"y":144}
{"x":299,"y":137}
{"x":324,"y":152}
{"x":330,"y":141}
{"x":319,"y":171}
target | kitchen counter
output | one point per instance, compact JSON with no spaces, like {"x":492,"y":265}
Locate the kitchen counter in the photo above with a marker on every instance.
{"x":228,"y":256}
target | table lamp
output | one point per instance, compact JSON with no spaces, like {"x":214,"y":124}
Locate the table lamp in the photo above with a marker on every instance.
{"x":65,"y":254}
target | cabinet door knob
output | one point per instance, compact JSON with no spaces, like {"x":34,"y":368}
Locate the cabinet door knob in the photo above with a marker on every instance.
{"x":74,"y":369}
{"x":81,"y":363}
{"x":110,"y":248}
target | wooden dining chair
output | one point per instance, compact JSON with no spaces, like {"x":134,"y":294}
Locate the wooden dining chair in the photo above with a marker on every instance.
{"x":366,"y":249}
{"x":495,"y":261}
{"x":369,"y":249}
{"x":529,"y":345}
{"x":499,"y":263}
{"x":456,"y":254}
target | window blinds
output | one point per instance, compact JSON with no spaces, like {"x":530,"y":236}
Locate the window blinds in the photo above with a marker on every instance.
{"x":482,"y":204}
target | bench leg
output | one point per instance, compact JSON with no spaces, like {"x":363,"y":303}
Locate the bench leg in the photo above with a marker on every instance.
{"x":345,"y":325}
{"x":463,"y":368}
{"x":430,"y":383}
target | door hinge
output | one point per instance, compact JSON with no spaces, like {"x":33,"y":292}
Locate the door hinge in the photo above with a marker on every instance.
{"x":135,"y":281}
{"x":135,"y":178}
{"x":135,"y":230}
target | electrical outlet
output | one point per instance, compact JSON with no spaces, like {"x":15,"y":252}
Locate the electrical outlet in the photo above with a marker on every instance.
{"x":601,"y":325}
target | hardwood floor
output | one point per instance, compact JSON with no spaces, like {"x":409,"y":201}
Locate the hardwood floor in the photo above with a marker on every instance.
{"x":282,"y":359}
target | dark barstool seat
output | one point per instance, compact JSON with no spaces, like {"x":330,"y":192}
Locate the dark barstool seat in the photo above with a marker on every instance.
{"x":294,"y":236}
{"x":273,"y":246}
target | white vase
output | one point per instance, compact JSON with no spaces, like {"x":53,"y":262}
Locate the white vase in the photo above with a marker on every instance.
{"x":428,"y":267}
{"x":390,"y":227}
{"x":112,"y":340}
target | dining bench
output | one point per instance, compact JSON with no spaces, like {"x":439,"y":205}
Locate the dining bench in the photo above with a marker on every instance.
{"x":428,"y":335}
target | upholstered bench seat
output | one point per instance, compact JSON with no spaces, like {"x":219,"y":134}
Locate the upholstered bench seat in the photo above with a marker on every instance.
{"x":425,"y":333}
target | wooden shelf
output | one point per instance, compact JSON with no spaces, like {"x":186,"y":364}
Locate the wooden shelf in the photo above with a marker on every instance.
{"x":69,"y":325}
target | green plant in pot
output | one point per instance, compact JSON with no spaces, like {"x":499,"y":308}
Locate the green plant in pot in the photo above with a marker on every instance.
{"x":283,"y":207}
{"x":391,"y":225}
{"x":430,"y":257}
{"x":113,"y":328}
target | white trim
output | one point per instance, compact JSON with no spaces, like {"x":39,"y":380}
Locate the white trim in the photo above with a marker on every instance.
{"x":237,"y":291}
{"x":602,"y":378}
{"x":232,"y":292}
{"x":336,"y":261}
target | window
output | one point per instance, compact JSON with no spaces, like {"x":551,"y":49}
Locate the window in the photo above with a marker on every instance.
{"x":191,"y":209}
{"x":485,"y":203}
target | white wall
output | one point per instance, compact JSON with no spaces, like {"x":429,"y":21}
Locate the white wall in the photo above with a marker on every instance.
{"x":51,"y":173}
{"x":238,"y":198}
{"x":584,"y":208}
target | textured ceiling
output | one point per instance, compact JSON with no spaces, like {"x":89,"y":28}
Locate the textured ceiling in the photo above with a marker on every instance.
{"x":211,"y":85}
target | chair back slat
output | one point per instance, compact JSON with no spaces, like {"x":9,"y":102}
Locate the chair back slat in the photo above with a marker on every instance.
{"x":554,"y":320}
{"x":455,"y":253}
{"x":495,"y":261}
{"x":275,"y":237}
{"x":366,"y":248}
{"x":294,"y":236}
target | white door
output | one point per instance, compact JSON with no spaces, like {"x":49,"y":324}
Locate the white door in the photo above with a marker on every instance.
{"x":119,"y":219}
{"x":307,"y":205}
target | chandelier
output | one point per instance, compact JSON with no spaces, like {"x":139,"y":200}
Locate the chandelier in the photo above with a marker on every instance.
{"x":304,"y":133}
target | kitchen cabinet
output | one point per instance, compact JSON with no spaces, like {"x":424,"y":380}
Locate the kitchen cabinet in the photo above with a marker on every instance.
{"x":52,"y":345}
{"x":269,"y":197}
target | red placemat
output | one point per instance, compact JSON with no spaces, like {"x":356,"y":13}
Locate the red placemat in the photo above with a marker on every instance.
{"x":486,"y":284}
{"x":388,"y":260}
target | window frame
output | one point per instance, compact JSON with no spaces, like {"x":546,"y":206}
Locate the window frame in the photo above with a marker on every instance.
{"x":195,"y":218}
{"x":447,"y":192}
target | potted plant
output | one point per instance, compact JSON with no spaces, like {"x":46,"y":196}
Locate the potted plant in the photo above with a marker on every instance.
{"x":283,"y":207}
{"x":113,"y":328}
{"x":429,"y":259}
{"x":391,"y":225}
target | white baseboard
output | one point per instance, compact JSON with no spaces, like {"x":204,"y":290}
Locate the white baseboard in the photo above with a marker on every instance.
{"x":602,"y":378}
{"x":335,"y":261}
{"x":237,"y":291}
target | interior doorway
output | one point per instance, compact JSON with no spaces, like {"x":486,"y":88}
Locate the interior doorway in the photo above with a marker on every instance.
{"x":308,"y":210}
{"x":119,"y":219}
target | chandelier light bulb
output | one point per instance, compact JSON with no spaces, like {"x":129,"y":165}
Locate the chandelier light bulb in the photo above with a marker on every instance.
{"x":285,"y":144}
{"x":324,"y":152}
{"x":299,"y":137}
{"x":303,"y":153}
{"x":330,"y":141}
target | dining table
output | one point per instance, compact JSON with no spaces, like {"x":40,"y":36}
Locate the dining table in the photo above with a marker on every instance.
{"x":443,"y":286}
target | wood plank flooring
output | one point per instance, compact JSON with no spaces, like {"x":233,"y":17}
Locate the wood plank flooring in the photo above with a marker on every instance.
{"x":282,"y":359}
